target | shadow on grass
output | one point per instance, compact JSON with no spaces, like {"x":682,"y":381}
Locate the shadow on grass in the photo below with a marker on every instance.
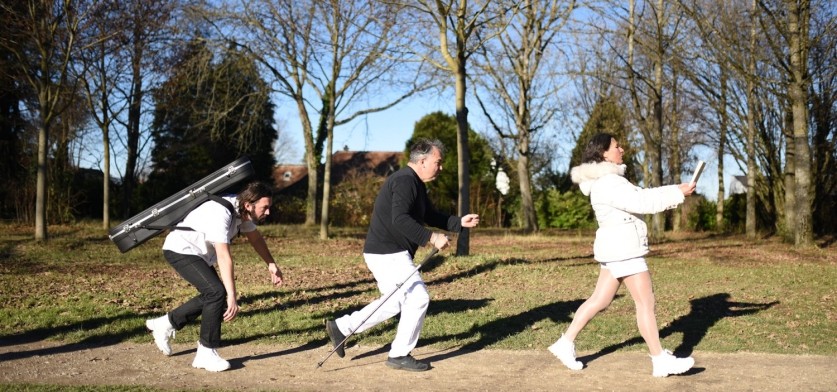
{"x":96,"y":340}
{"x":705,"y":313}
{"x":436,"y":307}
{"x":492,"y":265}
{"x":499,"y":330}
{"x":315,"y":299}
{"x":490,"y":333}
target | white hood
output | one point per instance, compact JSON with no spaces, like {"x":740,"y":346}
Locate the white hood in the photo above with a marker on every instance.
{"x":585,"y":174}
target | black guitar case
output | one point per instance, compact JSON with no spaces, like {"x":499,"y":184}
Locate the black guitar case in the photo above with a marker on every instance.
{"x":167,"y":213}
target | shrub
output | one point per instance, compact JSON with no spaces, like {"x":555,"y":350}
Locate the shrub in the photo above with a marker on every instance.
{"x":702,"y":216}
{"x":564,"y":210}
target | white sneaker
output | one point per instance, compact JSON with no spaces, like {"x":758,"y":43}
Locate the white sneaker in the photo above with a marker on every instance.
{"x":208,"y":358}
{"x":163,"y":331}
{"x":565,"y":351}
{"x":666,"y":363}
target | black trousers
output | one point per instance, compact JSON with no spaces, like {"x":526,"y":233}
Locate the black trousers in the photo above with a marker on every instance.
{"x":210,"y":304}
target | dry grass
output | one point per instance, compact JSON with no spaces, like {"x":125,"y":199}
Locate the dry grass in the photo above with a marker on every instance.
{"x":715,"y":293}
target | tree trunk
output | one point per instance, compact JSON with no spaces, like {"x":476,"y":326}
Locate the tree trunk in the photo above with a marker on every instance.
{"x":798,"y":26}
{"x":656,"y":130}
{"x":311,"y":160}
{"x":327,"y":172}
{"x":134,"y":114}
{"x":722,"y":141}
{"x":41,"y":182}
{"x":790,"y":184}
{"x":527,"y":205}
{"x":676,"y":162}
{"x":106,"y":179}
{"x":464,"y":202}
{"x":751,"y":128}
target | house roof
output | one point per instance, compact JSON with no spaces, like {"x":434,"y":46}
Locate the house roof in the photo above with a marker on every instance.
{"x":351,"y":163}
{"x":343,"y":164}
{"x":285,"y":175}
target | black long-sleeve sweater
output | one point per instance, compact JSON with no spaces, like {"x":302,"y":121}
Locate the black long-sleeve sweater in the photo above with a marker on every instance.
{"x":402,"y":209}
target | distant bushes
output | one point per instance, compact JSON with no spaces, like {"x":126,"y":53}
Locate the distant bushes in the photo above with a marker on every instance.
{"x":564,"y":210}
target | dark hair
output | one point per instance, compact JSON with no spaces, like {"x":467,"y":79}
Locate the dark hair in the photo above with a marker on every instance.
{"x":596,"y":147}
{"x":252,"y":192}
{"x":422,"y":147}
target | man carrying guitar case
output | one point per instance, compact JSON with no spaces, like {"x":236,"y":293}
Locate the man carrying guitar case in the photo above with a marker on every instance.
{"x":194,"y":246}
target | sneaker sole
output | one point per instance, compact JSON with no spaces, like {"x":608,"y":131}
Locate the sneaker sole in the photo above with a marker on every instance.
{"x":666,"y":374}
{"x":210,"y":370}
{"x":409,"y":369}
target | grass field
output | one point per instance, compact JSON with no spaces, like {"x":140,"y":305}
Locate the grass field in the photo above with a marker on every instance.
{"x":714,"y":293}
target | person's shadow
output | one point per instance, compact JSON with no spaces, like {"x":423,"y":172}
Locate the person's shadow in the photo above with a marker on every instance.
{"x":705,"y":313}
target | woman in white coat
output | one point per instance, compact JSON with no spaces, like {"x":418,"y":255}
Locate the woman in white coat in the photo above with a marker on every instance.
{"x":620,"y":246}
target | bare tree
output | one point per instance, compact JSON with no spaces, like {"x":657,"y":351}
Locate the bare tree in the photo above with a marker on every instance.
{"x":98,"y":74}
{"x":795,"y":27}
{"x":44,"y":42}
{"x":147,"y":27}
{"x":456,"y":23}
{"x":518,"y":72}
{"x":326,"y":56}
{"x":751,"y":125}
{"x":647,"y":99}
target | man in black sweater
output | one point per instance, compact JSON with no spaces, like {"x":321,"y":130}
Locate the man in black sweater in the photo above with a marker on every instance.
{"x":401,"y":211}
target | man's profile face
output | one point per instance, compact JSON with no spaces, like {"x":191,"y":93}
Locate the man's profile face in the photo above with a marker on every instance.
{"x":259,"y":210}
{"x":431,"y":165}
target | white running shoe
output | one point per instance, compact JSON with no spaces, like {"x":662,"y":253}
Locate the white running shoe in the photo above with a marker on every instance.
{"x":565,"y":351}
{"x":163,"y":331}
{"x":666,"y":364}
{"x":208,"y":358}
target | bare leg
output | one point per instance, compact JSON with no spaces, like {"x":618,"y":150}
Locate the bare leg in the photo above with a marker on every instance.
{"x":639,"y":285}
{"x":602,"y":296}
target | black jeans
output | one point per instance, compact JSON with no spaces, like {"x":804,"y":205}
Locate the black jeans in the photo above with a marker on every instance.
{"x":210,"y":304}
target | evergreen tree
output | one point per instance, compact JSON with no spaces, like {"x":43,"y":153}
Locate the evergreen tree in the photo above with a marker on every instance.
{"x":207,"y":115}
{"x":14,"y":154}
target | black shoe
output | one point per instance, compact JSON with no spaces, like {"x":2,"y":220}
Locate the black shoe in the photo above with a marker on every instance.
{"x":408,"y":363}
{"x":336,"y":337}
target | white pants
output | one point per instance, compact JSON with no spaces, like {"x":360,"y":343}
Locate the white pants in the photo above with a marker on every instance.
{"x":411,"y":301}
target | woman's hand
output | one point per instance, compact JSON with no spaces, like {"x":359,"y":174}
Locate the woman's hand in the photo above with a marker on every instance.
{"x":687,"y":188}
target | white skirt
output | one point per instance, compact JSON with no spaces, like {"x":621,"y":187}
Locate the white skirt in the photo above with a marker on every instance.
{"x":623,"y":268}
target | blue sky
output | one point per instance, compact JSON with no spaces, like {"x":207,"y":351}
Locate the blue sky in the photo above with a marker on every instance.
{"x":382,"y":131}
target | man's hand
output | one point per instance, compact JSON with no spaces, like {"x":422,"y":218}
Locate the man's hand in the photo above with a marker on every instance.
{"x":232,"y":307}
{"x":470,"y":220}
{"x":275,"y":274}
{"x":439,"y":241}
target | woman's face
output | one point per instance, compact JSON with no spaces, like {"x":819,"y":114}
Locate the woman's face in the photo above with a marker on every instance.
{"x":614,"y":153}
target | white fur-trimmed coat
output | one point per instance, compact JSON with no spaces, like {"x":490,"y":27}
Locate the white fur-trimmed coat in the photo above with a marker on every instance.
{"x":618,"y":204}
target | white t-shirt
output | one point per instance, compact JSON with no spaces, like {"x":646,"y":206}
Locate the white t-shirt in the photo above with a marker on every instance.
{"x":212,"y":223}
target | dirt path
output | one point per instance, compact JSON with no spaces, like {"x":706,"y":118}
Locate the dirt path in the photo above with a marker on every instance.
{"x":263,"y":367}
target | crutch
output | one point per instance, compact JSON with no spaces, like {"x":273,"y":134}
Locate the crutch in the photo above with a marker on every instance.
{"x":397,"y":287}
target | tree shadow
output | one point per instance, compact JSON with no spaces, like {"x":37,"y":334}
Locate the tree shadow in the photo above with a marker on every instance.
{"x":501,"y":329}
{"x":323,"y":294}
{"x":704,"y":314}
{"x":492,"y":265}
{"x":436,"y":308}
{"x":95,"y":340}
{"x":238,"y":363}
